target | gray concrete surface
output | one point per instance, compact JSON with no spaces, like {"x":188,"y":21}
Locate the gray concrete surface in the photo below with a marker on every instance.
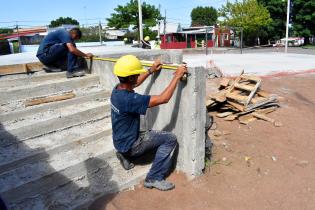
{"x":254,"y":63}
{"x":45,"y":88}
{"x":58,"y":155}
{"x":29,"y":57}
{"x":184,"y":114}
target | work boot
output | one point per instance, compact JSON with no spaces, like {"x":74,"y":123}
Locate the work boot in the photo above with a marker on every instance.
{"x":52,"y":69}
{"x":162,"y":185}
{"x":126,"y":164}
{"x":77,"y":73}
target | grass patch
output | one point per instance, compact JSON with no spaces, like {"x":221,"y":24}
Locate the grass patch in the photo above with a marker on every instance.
{"x":309,"y":46}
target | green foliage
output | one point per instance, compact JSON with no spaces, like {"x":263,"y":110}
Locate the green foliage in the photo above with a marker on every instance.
{"x":127,"y":15}
{"x":304,"y":18}
{"x":246,"y":14}
{"x":6,"y":30}
{"x":90,"y":34}
{"x":63,"y":20}
{"x":278,"y":11}
{"x":203,"y":16}
{"x":134,"y":35}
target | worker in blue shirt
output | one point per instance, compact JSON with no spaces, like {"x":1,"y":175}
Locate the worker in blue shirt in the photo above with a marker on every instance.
{"x":126,"y":108}
{"x":58,"y":51}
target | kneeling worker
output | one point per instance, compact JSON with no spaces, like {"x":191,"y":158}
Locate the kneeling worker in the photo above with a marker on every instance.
{"x":126,"y":108}
{"x":58,"y":50}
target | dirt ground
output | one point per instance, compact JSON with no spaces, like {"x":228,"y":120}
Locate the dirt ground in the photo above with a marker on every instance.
{"x":280,"y":172}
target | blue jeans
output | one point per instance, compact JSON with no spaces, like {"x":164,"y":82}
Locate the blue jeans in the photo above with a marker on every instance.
{"x":165,"y":144}
{"x":58,"y":55}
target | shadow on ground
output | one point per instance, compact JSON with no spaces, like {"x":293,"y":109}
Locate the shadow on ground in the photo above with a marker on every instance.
{"x":39,"y":186}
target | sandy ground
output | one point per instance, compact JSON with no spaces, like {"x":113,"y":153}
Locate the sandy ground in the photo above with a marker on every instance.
{"x":279,"y":174}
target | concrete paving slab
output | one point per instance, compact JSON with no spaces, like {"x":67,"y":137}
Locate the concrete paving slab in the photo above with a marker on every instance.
{"x":255,"y":63}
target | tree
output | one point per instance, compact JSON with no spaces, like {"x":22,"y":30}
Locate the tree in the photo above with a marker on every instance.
{"x":203,"y":16}
{"x":278,"y":11}
{"x":6,"y":30}
{"x":126,"y":16}
{"x":61,"y":20}
{"x":304,"y":18}
{"x":246,"y":14}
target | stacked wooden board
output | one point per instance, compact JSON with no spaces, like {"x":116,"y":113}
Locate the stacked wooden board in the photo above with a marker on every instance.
{"x":243,"y":99}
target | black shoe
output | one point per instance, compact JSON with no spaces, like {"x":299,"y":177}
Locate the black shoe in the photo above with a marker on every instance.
{"x":126,"y":164}
{"x":52,"y":69}
{"x":75,"y":74}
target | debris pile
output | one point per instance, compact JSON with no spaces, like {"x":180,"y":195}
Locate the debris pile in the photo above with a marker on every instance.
{"x":243,"y":99}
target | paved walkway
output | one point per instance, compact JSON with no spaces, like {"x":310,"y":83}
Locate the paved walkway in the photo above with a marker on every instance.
{"x":255,"y":63}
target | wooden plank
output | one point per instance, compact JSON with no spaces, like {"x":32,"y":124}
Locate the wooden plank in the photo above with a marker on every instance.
{"x":219,"y":96}
{"x":268,"y":100}
{"x":263,"y":117}
{"x":251,"y":78}
{"x":245,"y":87}
{"x":224,"y":82}
{"x":230,"y":117}
{"x":253,"y":92}
{"x":224,"y":114}
{"x":237,"y":97}
{"x":246,"y":119}
{"x":20,"y":68}
{"x":258,"y":99}
{"x":263,"y":93}
{"x":237,"y":106}
{"x":267,"y":110}
{"x":209,"y":102}
{"x":48,"y":99}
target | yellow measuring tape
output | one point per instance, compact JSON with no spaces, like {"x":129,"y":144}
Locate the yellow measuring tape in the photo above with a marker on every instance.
{"x":144,"y":63}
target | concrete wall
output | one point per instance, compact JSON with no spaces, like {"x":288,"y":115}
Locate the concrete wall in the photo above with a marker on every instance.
{"x":184,"y":114}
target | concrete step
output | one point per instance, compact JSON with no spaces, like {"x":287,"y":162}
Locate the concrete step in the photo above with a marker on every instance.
{"x":14,"y":135}
{"x":51,"y":114}
{"x":46,"y":88}
{"x":32,"y":110}
{"x":26,"y":152}
{"x":77,"y":186}
{"x":28,"y":79}
{"x":38,"y":171}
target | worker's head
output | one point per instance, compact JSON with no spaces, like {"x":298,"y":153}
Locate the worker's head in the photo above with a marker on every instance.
{"x":128,"y":68}
{"x":147,"y":38}
{"x":75,"y":33}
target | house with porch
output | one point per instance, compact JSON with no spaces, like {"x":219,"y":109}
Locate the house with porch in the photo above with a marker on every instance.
{"x":194,"y":37}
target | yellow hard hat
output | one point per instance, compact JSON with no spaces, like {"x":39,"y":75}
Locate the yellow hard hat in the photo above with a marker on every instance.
{"x":128,"y":65}
{"x":125,"y":39}
{"x":147,"y":38}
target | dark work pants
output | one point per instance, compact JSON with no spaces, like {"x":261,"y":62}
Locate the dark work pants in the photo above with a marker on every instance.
{"x":58,"y":55}
{"x":165,"y":144}
{"x":2,"y":205}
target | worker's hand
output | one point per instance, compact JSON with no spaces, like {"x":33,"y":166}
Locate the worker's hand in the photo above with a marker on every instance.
{"x":157,"y":66}
{"x":89,"y":55}
{"x":181,"y":70}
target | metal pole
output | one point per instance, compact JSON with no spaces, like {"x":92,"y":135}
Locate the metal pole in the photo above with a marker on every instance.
{"x":159,"y":23}
{"x":241,"y":44}
{"x":287,"y":28}
{"x":19,"y":39}
{"x":140,"y":20}
{"x":206,"y":40}
{"x":100,"y":32}
{"x":165,"y":26}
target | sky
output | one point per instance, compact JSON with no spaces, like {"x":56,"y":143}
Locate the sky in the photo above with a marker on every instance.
{"x":41,"y":12}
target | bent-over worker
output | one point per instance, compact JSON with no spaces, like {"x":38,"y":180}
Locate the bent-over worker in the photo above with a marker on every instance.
{"x":58,"y":51}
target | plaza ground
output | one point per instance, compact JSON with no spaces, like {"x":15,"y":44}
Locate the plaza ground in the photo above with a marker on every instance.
{"x":279,"y":174}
